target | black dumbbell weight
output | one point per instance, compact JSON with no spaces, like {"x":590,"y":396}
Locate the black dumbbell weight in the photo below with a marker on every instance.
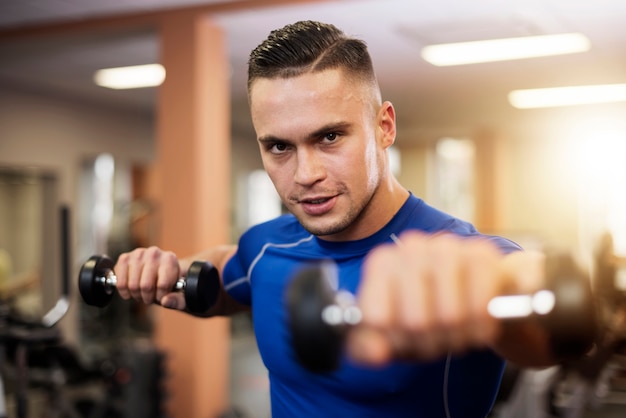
{"x":97,"y":281}
{"x":319,"y":317}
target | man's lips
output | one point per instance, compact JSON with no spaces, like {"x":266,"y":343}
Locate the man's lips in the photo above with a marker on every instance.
{"x":317,"y":205}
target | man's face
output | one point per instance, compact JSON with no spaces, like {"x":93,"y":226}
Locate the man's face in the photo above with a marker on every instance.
{"x":322,"y":138}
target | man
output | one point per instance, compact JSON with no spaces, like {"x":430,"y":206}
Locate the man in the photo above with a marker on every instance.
{"x":426,"y":346}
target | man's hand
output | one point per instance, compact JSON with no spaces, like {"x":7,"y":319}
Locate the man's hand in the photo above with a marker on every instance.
{"x":148,"y":275}
{"x":428,"y":295}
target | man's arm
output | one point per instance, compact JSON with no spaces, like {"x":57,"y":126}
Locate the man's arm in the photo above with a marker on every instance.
{"x":149,"y":274}
{"x":429,"y":296}
{"x":225,"y":304}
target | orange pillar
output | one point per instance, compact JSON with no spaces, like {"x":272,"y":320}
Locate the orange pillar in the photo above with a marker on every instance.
{"x":490,"y":165}
{"x":193,"y":155}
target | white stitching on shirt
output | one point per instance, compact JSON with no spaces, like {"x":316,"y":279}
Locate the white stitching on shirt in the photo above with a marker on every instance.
{"x":235,"y":283}
{"x":260,"y":255}
{"x":445,"y":385}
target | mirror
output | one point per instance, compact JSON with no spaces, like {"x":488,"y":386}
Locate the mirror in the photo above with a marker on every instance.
{"x":30,"y":266}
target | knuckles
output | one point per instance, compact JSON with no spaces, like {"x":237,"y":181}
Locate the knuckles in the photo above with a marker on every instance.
{"x":144,"y":271}
{"x":433,"y":265}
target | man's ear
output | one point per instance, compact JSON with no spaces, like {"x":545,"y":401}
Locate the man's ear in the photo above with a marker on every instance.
{"x":387,"y":124}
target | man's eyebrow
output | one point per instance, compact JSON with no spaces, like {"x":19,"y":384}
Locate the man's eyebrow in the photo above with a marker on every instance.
{"x":331,"y":127}
{"x":270,"y":139}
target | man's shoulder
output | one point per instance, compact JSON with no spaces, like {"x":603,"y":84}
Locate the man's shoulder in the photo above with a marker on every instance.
{"x":433,"y":220}
{"x":422,"y":216}
{"x":284,"y":228}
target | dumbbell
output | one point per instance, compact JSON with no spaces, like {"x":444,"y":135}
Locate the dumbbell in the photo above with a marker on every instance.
{"x":97,"y":281}
{"x":319,"y":317}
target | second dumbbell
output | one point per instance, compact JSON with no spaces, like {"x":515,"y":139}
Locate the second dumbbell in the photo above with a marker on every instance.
{"x":97,"y":283}
{"x":320,"y":317}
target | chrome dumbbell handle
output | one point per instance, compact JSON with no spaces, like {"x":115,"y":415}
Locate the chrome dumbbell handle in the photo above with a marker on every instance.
{"x":109,"y":282}
{"x":343,"y":311}
{"x":522,"y":306}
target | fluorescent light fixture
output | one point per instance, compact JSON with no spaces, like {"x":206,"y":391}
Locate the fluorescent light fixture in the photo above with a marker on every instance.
{"x":505,"y":49}
{"x":136,"y":76}
{"x":567,"y":96}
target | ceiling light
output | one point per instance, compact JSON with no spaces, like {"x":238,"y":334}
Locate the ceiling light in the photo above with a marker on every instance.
{"x":505,"y":49}
{"x":136,"y":76}
{"x":567,"y":96}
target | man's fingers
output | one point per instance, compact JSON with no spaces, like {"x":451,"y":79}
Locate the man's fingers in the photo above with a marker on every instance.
{"x":121,"y":273}
{"x":135,"y":269}
{"x":173,"y":301}
{"x":369,"y":346}
{"x":147,"y":283}
{"x":486,"y":283}
{"x":167,"y":275}
{"x":148,"y":275}
{"x":376,"y":292}
{"x":427,"y":295}
{"x":525,"y":271}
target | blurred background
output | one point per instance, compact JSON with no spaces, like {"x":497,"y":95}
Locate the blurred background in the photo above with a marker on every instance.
{"x":176,"y":164}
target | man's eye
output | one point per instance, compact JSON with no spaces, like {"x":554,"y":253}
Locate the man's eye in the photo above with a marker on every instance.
{"x":278,"y":148}
{"x":332,"y":136}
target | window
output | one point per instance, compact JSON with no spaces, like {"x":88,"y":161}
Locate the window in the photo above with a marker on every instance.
{"x":452,"y":183}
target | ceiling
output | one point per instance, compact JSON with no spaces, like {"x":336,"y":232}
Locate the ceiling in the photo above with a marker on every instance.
{"x":426,"y":97}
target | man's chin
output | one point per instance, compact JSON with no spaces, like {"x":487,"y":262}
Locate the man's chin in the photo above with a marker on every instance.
{"x":315,"y":228}
{"x":322,"y":230}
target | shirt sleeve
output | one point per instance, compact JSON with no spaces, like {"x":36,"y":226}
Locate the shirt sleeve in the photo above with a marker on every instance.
{"x":506,"y":245}
{"x":236,"y":280}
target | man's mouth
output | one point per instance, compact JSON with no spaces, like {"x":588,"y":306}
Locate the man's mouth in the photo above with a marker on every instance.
{"x":317,"y":206}
{"x":315,"y":201}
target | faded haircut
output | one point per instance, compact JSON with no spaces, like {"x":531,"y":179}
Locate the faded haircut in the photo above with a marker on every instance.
{"x":309,"y":46}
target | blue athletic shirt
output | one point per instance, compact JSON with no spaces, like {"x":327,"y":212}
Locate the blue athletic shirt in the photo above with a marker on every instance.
{"x":270,"y":253}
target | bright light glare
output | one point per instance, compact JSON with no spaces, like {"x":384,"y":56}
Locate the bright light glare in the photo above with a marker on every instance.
{"x":543,"y":302}
{"x":600,"y":173}
{"x":521,"y":306}
{"x":516,"y":306}
{"x":567,"y":96}
{"x":505,"y":49}
{"x":136,"y":76}
{"x":104,"y":167}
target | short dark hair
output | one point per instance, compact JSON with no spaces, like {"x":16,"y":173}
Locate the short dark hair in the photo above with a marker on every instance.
{"x":309,"y":46}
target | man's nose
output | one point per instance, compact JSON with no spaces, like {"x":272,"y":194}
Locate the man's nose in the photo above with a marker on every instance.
{"x":310,"y":168}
